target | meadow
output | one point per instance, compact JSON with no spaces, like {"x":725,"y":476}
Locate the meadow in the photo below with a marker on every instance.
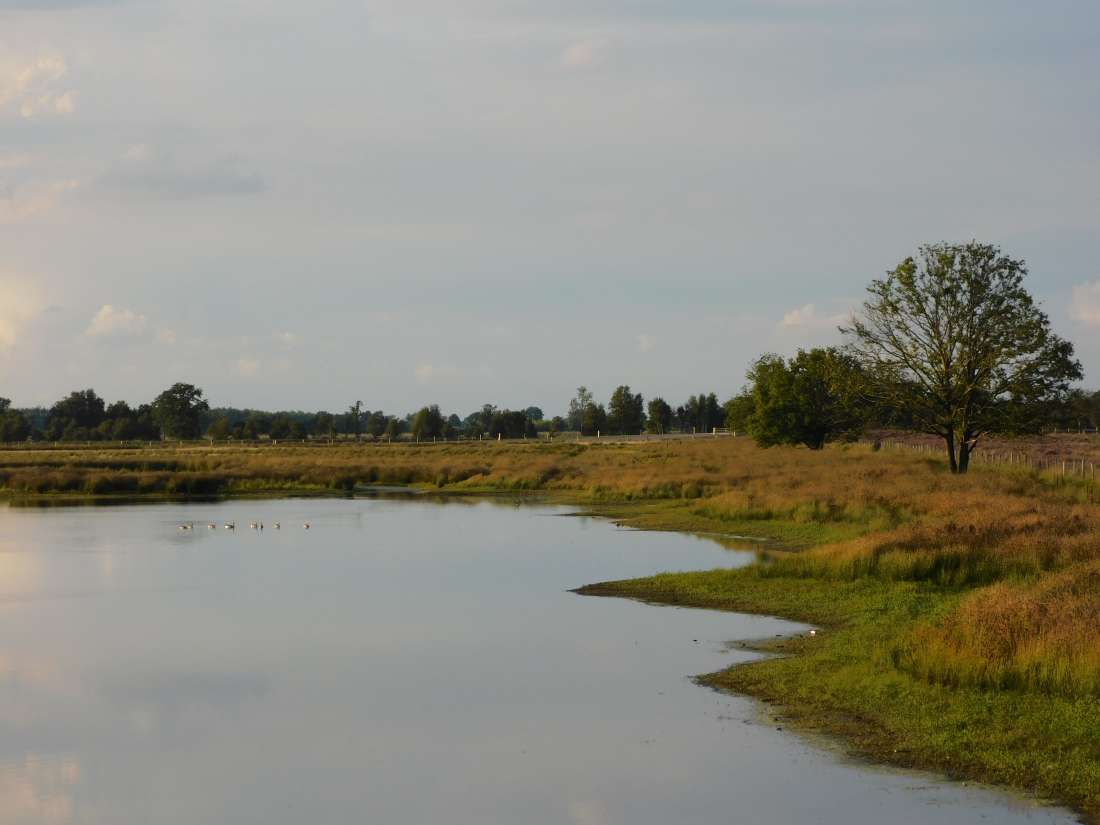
{"x":958,"y":615}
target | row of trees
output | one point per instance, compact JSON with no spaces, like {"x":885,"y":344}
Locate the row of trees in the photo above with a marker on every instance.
{"x":948,"y":343}
{"x":181,"y":412}
{"x":84,"y":416}
{"x":626,"y":413}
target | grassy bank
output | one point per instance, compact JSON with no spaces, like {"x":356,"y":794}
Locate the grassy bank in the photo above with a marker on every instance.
{"x":959,"y":615}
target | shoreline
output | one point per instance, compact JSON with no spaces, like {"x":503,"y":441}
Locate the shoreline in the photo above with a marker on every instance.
{"x":823,"y":526}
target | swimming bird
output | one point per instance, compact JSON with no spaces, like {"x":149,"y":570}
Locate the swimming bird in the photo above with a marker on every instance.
{"x":254,"y":525}
{"x":305,"y":526}
{"x":275,"y":526}
{"x":231,"y":525}
{"x":211,"y":526}
{"x":187,"y":526}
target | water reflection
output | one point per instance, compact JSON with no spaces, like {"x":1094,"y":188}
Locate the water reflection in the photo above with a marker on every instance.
{"x":399,"y":662}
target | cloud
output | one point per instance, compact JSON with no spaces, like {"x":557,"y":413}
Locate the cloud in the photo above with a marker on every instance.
{"x":19,"y":203}
{"x":1086,"y":304}
{"x":426,"y":373}
{"x":20,"y":302}
{"x":15,"y":161}
{"x":247,"y":367}
{"x":31,"y":87}
{"x":584,"y":54}
{"x":807,"y":317}
{"x":111,"y":322}
{"x":179,"y":173}
{"x":646,"y":343}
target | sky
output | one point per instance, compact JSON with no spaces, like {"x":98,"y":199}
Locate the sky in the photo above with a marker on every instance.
{"x":299,"y":205}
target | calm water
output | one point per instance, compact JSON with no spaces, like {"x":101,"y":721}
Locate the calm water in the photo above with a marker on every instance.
{"x":400,"y":662}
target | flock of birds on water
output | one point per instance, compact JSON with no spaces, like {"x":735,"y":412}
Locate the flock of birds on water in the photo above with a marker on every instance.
{"x":232,"y":525}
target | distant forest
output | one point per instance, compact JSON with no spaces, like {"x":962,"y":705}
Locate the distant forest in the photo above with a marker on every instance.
{"x":181,"y":412}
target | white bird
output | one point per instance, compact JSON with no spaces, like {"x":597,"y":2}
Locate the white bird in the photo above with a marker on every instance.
{"x":275,"y":525}
{"x":254,"y":525}
{"x":211,"y":526}
{"x":185,"y":526}
{"x":305,"y":526}
{"x":230,"y":525}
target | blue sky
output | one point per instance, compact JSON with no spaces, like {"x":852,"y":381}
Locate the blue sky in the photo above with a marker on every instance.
{"x":460,"y":201}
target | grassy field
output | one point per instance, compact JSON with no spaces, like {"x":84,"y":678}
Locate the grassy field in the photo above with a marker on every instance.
{"x":959,"y":616}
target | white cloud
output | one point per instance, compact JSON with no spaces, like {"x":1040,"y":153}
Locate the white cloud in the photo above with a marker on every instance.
{"x":426,"y":373}
{"x":112,"y":322}
{"x":808,"y":317}
{"x":30,"y":87}
{"x":1086,"y":304}
{"x":20,"y":302}
{"x":646,"y":343}
{"x":247,"y":367}
{"x":22,"y":202}
{"x":179,"y":170}
{"x":14,"y":161}
{"x":584,"y":54}
{"x":138,"y":153}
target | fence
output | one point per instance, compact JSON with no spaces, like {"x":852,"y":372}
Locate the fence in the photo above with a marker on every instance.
{"x":1060,"y":466}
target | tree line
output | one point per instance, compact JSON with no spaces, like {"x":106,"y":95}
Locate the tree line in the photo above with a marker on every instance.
{"x":182,"y":412}
{"x":948,"y":343}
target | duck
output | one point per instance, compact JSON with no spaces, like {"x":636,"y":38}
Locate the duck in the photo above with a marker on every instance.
{"x":254,"y":525}
{"x":211,"y":526}
{"x":305,"y":526}
{"x":275,"y":526}
{"x":187,"y":526}
{"x":231,"y":525}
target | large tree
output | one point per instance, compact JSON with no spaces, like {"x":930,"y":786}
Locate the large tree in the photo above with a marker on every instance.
{"x":178,"y":411}
{"x":428,"y":422}
{"x":74,"y":417}
{"x":659,"y":418}
{"x":954,"y":340}
{"x":578,"y":407}
{"x":625,"y":412}
{"x":810,"y":399}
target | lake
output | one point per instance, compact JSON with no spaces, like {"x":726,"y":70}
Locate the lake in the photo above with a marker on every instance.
{"x":401,"y":661}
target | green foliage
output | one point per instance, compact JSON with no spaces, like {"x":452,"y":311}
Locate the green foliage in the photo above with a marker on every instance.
{"x":428,"y":423}
{"x":13,"y":424}
{"x":659,"y":416}
{"x":179,"y":410}
{"x":578,"y":408}
{"x":811,"y":399}
{"x":625,"y":412}
{"x":955,"y":340}
{"x":593,"y":419}
{"x":700,"y":413}
{"x":739,"y":411}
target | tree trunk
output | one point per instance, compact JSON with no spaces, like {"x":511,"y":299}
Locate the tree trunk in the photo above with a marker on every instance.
{"x":951,"y":457}
{"x":964,"y":457}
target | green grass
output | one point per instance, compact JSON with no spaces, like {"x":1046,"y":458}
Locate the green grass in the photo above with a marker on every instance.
{"x":844,"y":682}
